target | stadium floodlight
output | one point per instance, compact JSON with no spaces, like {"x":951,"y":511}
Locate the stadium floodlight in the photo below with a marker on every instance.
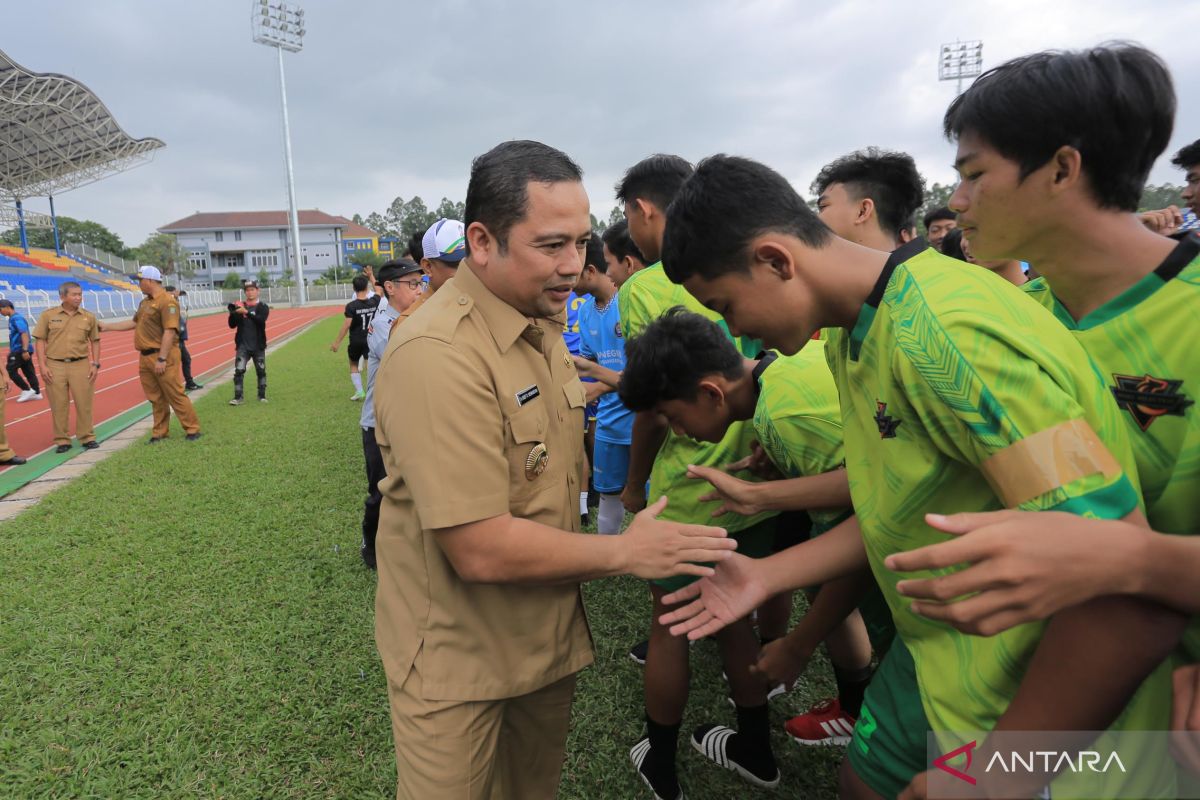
{"x":281,"y":25}
{"x":960,"y":60}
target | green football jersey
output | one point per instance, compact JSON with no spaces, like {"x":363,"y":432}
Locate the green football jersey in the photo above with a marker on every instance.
{"x":947,"y":366}
{"x":645,"y":297}
{"x":798,"y":420}
{"x":1140,"y":343}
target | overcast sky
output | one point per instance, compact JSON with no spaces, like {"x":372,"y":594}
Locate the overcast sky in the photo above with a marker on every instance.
{"x":392,"y":98}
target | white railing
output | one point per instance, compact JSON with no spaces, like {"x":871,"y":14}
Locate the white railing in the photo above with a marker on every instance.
{"x":102,"y":258}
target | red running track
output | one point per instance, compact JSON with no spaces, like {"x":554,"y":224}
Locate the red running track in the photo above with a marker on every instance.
{"x":210,"y":342}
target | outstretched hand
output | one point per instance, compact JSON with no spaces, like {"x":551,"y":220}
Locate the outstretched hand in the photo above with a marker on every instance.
{"x":731,"y":592}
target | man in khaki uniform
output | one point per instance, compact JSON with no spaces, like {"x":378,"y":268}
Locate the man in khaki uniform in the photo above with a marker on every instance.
{"x":155,"y":327}
{"x":7,"y":457}
{"x":68,"y":337}
{"x":479,"y":618}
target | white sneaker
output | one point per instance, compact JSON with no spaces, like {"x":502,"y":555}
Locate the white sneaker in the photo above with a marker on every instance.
{"x":36,"y":396}
{"x":25,"y":396}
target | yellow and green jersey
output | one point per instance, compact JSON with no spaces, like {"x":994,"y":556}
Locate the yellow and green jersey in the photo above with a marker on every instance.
{"x":798,"y":420}
{"x":1141,"y":344}
{"x":645,"y":297}
{"x":948,"y":372}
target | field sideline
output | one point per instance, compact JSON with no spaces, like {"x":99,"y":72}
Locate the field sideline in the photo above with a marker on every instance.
{"x":193,"y":620}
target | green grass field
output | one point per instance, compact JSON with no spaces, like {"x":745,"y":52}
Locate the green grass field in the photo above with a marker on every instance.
{"x":193,"y":620}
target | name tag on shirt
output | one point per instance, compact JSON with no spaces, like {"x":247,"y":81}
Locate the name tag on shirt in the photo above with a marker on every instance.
{"x":525,"y":395}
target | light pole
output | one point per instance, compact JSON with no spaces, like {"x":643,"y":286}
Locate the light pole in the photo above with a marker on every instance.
{"x":281,"y":25}
{"x":960,"y":60}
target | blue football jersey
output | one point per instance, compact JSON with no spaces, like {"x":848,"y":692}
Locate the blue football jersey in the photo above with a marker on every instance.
{"x":604,"y":343}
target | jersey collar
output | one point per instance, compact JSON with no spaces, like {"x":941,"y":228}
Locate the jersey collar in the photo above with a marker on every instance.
{"x":1183,"y":254}
{"x":866,"y":314}
{"x":765,"y":360}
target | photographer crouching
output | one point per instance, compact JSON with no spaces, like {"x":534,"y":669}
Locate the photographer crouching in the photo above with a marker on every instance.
{"x":249,"y":319}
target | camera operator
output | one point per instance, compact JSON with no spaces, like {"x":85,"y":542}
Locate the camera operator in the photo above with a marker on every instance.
{"x":249,"y":318}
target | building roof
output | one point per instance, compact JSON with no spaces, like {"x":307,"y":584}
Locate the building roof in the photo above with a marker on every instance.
{"x":55,"y":134}
{"x":225,"y":220}
{"x":356,"y":231}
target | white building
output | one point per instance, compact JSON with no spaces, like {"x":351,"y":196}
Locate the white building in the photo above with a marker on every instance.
{"x":247,"y":242}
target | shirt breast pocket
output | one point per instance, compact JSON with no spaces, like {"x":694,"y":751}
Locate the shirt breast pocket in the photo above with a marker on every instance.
{"x":526,"y":451}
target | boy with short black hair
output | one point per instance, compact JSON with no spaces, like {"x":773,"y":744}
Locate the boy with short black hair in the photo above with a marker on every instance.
{"x":938,"y":223}
{"x":659,"y":455}
{"x":870,"y":197}
{"x":945,"y":398}
{"x":602,"y":358}
{"x":621,"y":254}
{"x":358,"y":314}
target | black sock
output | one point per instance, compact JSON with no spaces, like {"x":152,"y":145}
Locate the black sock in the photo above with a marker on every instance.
{"x":659,"y":766}
{"x":751,"y":745}
{"x":852,"y":685}
{"x":754,"y":726}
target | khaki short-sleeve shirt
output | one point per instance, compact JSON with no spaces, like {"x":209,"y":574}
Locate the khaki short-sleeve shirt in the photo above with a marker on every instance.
{"x":154,"y":316}
{"x":66,"y":335}
{"x":479,"y":412}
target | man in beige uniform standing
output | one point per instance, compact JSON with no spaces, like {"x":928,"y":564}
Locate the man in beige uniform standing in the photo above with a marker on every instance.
{"x":155,"y":326}
{"x":67,"y":340}
{"x":479,"y":618}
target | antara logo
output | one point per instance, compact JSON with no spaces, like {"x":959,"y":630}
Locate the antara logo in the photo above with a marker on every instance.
{"x":1049,"y":762}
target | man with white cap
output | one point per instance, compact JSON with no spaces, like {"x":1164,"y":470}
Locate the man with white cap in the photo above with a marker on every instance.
{"x":443,"y":246}
{"x":156,"y":329}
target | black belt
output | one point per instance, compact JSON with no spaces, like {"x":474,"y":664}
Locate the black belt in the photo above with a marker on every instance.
{"x":149,"y":352}
{"x":67,"y":360}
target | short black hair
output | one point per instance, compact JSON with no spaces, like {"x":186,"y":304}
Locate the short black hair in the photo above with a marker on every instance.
{"x":890,"y":179}
{"x":1114,"y":103}
{"x":1188,"y":156}
{"x":416,"y":248}
{"x":360,"y":283}
{"x":498,"y":194}
{"x":952,"y":245}
{"x":594,"y":254}
{"x":656,"y":179}
{"x":7,"y":304}
{"x":726,"y":203}
{"x":938,"y":214}
{"x":671,"y":356}
{"x":620,"y":243}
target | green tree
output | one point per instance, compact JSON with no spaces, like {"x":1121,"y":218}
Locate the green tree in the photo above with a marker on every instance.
{"x":263,"y":278}
{"x":375,"y":222}
{"x":448,"y":209}
{"x":232,"y":281}
{"x":357,"y":219}
{"x":1161,"y":196}
{"x":336,"y":274}
{"x":598,"y":227}
{"x":163,"y":251}
{"x":615,"y":216}
{"x":367,"y":258}
{"x":70,"y":229}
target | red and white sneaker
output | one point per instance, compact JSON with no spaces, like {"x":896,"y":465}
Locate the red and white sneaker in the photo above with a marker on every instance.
{"x":824,"y":724}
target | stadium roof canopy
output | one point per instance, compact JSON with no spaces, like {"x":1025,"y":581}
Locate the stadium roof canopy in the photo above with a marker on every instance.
{"x":56,"y":135}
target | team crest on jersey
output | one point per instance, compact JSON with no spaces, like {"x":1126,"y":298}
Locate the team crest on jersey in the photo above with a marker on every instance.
{"x":1147,"y":398}
{"x":887,"y":424}
{"x":617,"y":331}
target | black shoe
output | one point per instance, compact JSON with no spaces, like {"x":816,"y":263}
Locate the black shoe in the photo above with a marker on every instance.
{"x":191,"y":387}
{"x":664,"y":787}
{"x":155,"y":439}
{"x":638,"y":651}
{"x":718,"y":743}
{"x":368,"y":556}
{"x":92,"y":445}
{"x":62,"y":448}
{"x":12,"y":462}
{"x":191,"y":437}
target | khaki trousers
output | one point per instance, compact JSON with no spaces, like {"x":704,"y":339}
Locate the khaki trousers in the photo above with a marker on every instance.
{"x":6,"y":452}
{"x":509,"y":749}
{"x":165,"y":392}
{"x":71,"y":384}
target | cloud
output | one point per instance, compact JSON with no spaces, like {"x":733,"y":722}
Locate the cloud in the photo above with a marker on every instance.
{"x":393,"y":99}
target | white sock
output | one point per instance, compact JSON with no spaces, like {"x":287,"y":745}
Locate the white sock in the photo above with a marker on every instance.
{"x":356,"y":379}
{"x":612,"y":514}
{"x":583,"y":509}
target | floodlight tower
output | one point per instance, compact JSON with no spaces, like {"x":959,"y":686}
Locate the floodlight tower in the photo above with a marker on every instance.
{"x":959,"y":60}
{"x":281,"y":25}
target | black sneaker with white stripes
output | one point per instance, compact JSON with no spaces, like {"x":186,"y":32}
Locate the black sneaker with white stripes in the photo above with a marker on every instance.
{"x":722,"y":746}
{"x":664,"y":786}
